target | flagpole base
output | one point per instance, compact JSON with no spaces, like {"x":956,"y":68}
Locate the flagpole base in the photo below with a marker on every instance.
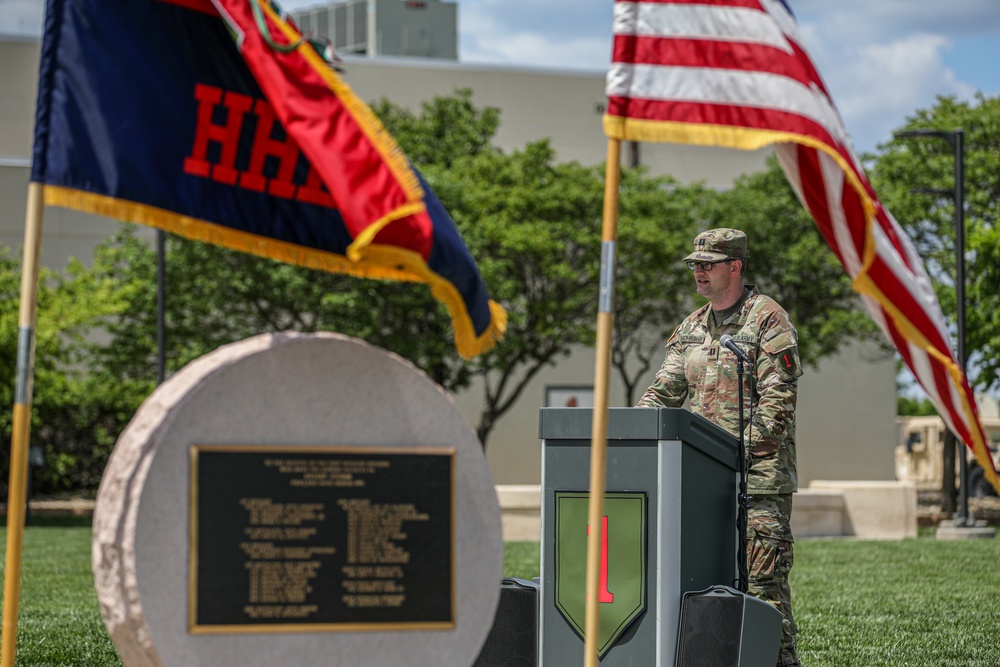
{"x":952,"y":529}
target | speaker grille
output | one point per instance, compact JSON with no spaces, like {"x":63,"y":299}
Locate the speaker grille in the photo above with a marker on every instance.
{"x":711,"y":623}
{"x":513,"y":640}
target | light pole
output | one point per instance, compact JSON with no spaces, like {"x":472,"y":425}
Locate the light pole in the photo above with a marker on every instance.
{"x":955,"y":138}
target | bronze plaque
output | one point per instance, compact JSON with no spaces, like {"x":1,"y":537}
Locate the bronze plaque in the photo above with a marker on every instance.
{"x":288,"y":539}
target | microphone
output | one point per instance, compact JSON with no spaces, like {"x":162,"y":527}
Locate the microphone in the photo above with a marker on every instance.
{"x":728,"y":343}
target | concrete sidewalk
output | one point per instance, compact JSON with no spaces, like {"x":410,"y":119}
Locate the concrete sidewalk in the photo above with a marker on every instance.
{"x":67,"y":507}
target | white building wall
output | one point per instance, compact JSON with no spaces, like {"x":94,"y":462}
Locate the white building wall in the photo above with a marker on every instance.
{"x":846,"y":427}
{"x":18,"y":90}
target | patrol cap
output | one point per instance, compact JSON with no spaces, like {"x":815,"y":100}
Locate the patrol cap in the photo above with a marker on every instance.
{"x":716,"y":245}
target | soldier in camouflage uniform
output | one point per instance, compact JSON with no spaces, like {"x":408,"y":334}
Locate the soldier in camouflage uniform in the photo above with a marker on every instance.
{"x":698,"y":368}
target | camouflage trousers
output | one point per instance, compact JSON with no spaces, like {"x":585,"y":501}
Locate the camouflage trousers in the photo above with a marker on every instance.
{"x":769,"y":560}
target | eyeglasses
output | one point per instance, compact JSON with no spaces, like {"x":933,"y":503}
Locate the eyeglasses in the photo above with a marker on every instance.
{"x":705,"y":266}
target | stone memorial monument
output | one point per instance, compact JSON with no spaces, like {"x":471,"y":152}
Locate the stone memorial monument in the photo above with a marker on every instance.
{"x":298,"y":500}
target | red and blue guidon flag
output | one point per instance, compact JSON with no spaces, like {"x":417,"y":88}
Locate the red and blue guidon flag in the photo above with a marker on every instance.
{"x":735,"y":73}
{"x":184,"y":115}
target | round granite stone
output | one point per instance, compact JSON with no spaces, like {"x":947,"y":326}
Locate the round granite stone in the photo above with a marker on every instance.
{"x":296,"y":393}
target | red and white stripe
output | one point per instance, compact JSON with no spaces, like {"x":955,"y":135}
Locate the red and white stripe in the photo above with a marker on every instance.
{"x":734,"y":73}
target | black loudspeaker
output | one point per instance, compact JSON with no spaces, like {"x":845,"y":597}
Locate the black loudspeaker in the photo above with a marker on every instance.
{"x":513,"y":640}
{"x":722,"y":627}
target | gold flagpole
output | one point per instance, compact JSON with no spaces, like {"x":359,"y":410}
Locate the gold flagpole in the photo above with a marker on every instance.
{"x":599,"y":433}
{"x":17,"y":491}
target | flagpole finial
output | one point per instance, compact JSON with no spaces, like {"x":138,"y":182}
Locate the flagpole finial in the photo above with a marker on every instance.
{"x":258,"y":15}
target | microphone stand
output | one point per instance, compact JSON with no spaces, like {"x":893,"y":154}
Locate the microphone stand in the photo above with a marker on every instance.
{"x":744,"y":498}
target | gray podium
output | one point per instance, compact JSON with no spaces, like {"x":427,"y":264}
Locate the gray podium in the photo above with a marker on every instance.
{"x":684,"y":471}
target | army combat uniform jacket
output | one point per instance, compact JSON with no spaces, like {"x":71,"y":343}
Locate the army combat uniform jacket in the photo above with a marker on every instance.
{"x":696,"y":366}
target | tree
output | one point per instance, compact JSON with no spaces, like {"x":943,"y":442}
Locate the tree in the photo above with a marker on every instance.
{"x":903,"y":171}
{"x":74,"y":420}
{"x":217,"y":296}
{"x":914,"y":407}
{"x":534,"y":227}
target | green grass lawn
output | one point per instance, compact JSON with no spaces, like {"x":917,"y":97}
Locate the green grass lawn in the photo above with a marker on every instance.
{"x":60,"y":622}
{"x":915,"y":603}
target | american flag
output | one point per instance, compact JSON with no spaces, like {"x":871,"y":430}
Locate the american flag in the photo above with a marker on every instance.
{"x":734,"y":73}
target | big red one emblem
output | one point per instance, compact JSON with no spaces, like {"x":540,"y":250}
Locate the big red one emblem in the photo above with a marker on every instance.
{"x":622,"y":589}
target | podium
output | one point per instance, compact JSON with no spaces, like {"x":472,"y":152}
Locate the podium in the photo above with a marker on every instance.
{"x":671,"y":476}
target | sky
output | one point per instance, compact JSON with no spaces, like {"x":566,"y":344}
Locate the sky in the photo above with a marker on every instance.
{"x":881,"y":59}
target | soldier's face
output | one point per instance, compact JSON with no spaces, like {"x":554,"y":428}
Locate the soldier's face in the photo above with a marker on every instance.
{"x":717,"y":281}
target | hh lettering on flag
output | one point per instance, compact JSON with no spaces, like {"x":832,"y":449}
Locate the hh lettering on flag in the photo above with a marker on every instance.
{"x":241,"y":114}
